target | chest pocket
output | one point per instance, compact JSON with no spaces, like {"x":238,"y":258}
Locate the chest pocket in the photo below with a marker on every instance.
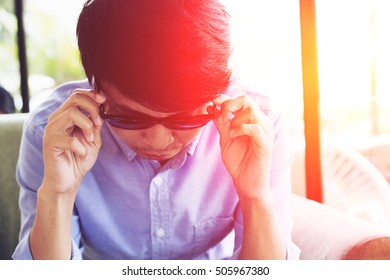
{"x":214,"y":239}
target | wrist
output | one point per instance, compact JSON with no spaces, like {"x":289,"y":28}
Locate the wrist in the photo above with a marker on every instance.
{"x":263,"y":199}
{"x":50,"y":236}
{"x":49,"y":198}
{"x":256,"y":190}
{"x":59,"y":187}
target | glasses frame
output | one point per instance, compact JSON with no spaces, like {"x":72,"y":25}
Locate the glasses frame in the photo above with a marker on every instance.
{"x":143,"y":121}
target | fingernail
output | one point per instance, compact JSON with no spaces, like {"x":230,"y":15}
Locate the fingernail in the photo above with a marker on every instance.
{"x":100,"y":97}
{"x":99,"y":120}
{"x":91,"y":137}
{"x":210,"y":109}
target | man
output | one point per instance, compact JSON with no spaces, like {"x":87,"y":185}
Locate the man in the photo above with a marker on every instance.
{"x":157,"y":156}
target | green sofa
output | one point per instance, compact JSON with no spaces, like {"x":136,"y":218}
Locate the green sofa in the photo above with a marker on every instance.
{"x":320,"y":231}
{"x":10,"y":132}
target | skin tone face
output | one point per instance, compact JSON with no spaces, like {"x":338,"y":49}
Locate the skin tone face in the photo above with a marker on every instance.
{"x":154,"y":143}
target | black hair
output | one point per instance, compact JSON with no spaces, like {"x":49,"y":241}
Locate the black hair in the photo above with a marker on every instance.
{"x":7,"y":104}
{"x":168,"y":55}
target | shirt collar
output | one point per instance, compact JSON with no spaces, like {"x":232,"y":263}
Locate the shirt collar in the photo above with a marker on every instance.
{"x":194,"y":143}
{"x":127,"y":151}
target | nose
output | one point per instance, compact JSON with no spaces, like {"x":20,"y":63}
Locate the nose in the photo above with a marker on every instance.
{"x":158,"y":137}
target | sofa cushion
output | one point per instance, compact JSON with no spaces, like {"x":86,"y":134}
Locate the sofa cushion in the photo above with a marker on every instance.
{"x":325,"y":233}
{"x":10,"y":134}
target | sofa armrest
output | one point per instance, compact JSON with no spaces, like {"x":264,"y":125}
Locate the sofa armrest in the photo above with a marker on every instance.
{"x":374,"y":249}
{"x":324,"y":233}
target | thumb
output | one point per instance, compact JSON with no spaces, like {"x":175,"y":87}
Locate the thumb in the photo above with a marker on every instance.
{"x":97,"y":128}
{"x":221,"y":119}
{"x":223,"y":126}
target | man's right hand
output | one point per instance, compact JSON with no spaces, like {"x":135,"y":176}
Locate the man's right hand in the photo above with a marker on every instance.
{"x":72,"y":141}
{"x":71,"y":144}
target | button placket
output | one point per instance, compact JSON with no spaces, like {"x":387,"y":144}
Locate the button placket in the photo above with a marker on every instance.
{"x":160,"y":216}
{"x":158,"y":180}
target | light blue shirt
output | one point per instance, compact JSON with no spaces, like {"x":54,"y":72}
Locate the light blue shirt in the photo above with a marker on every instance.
{"x":131,"y":208}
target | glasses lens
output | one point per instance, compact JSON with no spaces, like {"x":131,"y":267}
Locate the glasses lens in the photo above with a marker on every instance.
{"x":179,"y":124}
{"x":188,"y":122}
{"x":133,"y":124}
{"x":137,"y":122}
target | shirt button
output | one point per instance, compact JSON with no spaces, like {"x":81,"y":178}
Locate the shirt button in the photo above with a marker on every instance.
{"x":158,"y":181}
{"x":160,"y":232}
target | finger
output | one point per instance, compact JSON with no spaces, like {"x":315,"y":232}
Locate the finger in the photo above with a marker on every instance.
{"x":223,"y":126}
{"x":233,"y":106}
{"x":261,"y":138}
{"x":97,"y":96}
{"x":221,"y":99}
{"x":252,"y":130}
{"x":265,"y":124}
{"x":86,"y":100}
{"x":223,"y":115}
{"x":90,"y":131}
{"x":237,"y":103}
{"x":69,"y":120}
{"x":247,"y":111}
{"x":89,"y":101}
{"x":96,"y":140}
{"x":246,"y":116}
{"x":68,"y":143}
{"x":232,"y":112}
{"x":76,"y":146}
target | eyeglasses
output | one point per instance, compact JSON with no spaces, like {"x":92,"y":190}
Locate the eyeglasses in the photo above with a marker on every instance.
{"x":135,"y":120}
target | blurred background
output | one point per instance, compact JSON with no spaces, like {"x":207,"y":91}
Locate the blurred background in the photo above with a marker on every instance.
{"x":50,"y":42}
{"x":353,"y":64}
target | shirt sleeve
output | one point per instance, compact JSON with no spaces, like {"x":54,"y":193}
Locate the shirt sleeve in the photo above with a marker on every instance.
{"x":29,"y":174}
{"x":280,"y":181}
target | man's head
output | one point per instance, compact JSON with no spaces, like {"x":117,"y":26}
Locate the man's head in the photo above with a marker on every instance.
{"x":7,"y":104}
{"x":168,"y":55}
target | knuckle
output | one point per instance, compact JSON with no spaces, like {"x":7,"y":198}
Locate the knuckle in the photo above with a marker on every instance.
{"x":241,"y":97}
{"x":50,"y":127}
{"x":78,"y":91}
{"x":245,"y":99}
{"x":75,"y":91}
{"x":73,"y":111}
{"x":46,"y":137}
{"x":78,"y":97}
{"x":47,"y":128}
{"x":250,"y":110}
